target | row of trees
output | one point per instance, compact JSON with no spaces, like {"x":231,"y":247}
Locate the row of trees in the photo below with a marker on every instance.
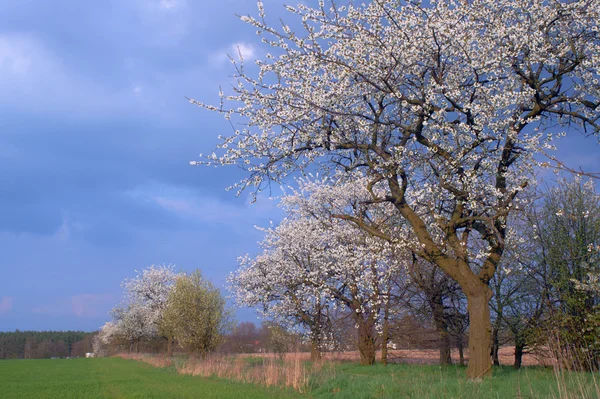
{"x":161,"y":304}
{"x":44,"y":344}
{"x":318,"y":266}
{"x":322,"y":277}
{"x":442,"y":109}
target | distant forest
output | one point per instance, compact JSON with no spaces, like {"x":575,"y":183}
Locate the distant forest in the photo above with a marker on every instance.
{"x":44,"y":344}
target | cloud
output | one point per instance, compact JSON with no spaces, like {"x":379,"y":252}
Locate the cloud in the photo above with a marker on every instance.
{"x":84,"y":305}
{"x":6,"y":304}
{"x":238,"y":51}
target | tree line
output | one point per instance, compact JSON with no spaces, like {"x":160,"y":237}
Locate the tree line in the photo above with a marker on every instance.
{"x":44,"y":344}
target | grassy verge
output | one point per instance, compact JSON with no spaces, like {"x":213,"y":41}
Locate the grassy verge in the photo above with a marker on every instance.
{"x":157,"y":377}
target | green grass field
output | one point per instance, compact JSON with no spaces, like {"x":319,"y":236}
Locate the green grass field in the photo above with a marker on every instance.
{"x":120,"y":378}
{"x":115,"y":378}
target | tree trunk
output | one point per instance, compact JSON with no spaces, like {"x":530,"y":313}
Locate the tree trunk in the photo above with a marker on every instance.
{"x":441,"y":327}
{"x":518,"y":355}
{"x":480,"y":330}
{"x":519,"y":349}
{"x":495,"y":346}
{"x":366,"y":339}
{"x":315,"y":353}
{"x":495,"y":334}
{"x":445,"y":350}
{"x":169,"y":346}
{"x":461,"y":351}
{"x":385,"y":335}
{"x":137,"y":346}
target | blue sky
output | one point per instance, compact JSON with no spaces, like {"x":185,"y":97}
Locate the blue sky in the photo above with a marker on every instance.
{"x":95,"y":139}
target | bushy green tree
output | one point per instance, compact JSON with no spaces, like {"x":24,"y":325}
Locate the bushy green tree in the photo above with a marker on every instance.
{"x":196,"y":314}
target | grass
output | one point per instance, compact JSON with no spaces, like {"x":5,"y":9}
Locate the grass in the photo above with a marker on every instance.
{"x":426,"y":381}
{"x":116,"y":378}
{"x":122,"y":378}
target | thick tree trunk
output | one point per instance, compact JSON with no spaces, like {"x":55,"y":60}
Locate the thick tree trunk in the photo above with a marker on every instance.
{"x":480,"y":330}
{"x":137,"y":346}
{"x":169,"y":346}
{"x":366,"y":339}
{"x":315,"y":352}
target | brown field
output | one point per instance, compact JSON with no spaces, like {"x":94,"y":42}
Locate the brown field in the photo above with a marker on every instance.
{"x":415,"y":356}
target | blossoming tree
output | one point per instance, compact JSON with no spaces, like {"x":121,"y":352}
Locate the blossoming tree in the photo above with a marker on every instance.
{"x":444,"y":106}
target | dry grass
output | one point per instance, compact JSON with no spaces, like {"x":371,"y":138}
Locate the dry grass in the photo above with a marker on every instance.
{"x":156,"y":361}
{"x":289,"y":371}
{"x":566,"y":359}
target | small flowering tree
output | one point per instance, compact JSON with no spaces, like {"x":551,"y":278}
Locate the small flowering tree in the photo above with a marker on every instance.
{"x":444,"y":106}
